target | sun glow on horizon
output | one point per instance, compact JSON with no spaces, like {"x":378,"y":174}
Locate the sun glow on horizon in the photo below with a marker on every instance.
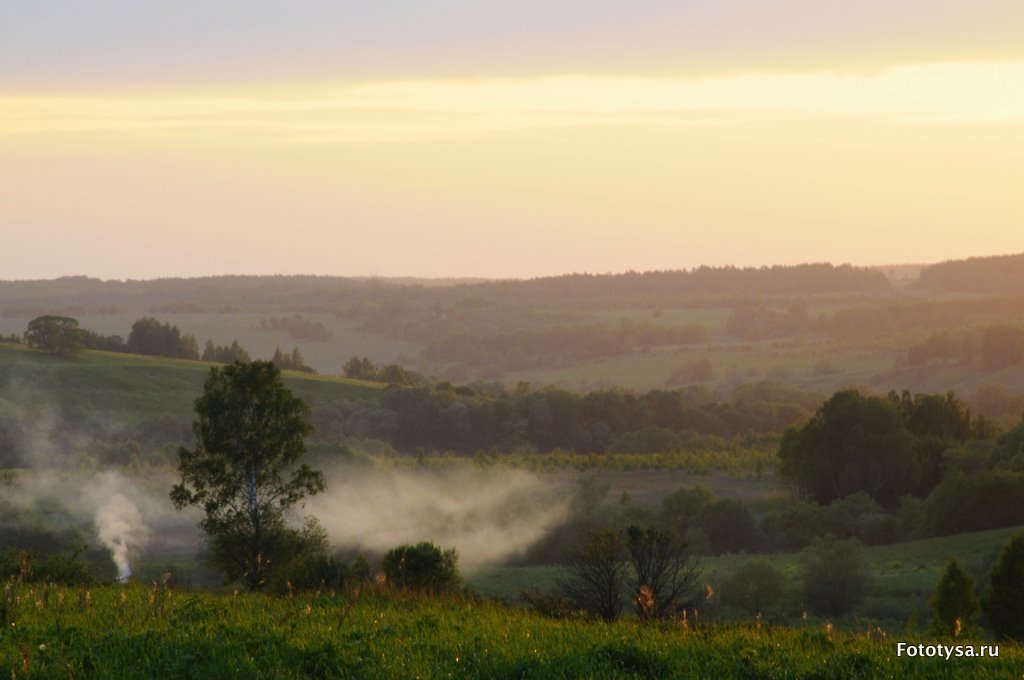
{"x":519,"y":176}
{"x":440,"y":109}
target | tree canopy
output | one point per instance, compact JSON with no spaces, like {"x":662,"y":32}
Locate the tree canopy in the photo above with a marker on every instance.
{"x":853,"y":443}
{"x":244,"y":471}
{"x":54,"y":334}
{"x":1004,"y":599}
{"x":150,"y":336}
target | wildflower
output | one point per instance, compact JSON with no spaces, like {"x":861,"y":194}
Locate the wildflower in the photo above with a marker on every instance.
{"x":645,"y":602}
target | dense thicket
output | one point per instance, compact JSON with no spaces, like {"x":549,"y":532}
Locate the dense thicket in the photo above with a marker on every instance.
{"x":149,"y":336}
{"x":467,"y":420}
{"x":543,"y":347}
{"x":885,"y":447}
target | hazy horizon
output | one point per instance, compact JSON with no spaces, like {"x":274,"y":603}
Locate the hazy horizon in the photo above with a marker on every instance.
{"x":457,"y":278}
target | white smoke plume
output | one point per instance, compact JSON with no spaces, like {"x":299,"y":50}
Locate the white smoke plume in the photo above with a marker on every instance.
{"x":488,"y":516}
{"x":121,"y":529}
{"x":125,"y":511}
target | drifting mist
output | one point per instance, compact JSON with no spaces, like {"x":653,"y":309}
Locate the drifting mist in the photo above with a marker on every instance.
{"x":488,"y":516}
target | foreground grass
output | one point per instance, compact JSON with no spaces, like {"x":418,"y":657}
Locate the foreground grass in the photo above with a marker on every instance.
{"x":134,"y":631}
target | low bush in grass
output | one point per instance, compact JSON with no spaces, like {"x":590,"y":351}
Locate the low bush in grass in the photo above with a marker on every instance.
{"x":423,"y":566}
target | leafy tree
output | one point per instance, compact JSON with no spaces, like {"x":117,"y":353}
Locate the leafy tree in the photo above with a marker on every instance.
{"x":954,"y":604}
{"x":362,"y":369}
{"x":596,"y":577}
{"x":755,"y":587}
{"x":423,"y":566}
{"x":1004,"y":600}
{"x":680,"y":508}
{"x":793,"y":525}
{"x":728,"y":525}
{"x":662,"y":567}
{"x":58,"y":335}
{"x":938,"y":422}
{"x":853,"y":443}
{"x":243,"y":472}
{"x":835,"y":577}
{"x":227,"y":354}
{"x":305,"y":562}
{"x":149,"y":336}
{"x":975,"y":502}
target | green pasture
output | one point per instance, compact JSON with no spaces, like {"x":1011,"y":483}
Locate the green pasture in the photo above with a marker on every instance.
{"x":155,"y":632}
{"x":904,"y":575}
{"x":129,"y":388}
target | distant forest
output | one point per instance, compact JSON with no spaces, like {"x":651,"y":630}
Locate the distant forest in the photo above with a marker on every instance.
{"x":994,"y":275}
{"x":79,"y":295}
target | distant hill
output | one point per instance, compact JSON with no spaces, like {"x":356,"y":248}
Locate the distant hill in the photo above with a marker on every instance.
{"x":802,"y":279}
{"x":1000,"y":274}
{"x":79,"y":295}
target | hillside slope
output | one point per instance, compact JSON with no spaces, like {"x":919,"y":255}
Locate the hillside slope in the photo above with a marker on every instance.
{"x":128,"y":389}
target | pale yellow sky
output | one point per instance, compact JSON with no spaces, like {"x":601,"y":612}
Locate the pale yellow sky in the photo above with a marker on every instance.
{"x":516,"y":176}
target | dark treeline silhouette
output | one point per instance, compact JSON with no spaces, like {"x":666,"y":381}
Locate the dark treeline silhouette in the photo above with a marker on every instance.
{"x":997,"y":275}
{"x":79,"y":295}
{"x":466,"y":420}
{"x":778,"y":280}
{"x":293,"y":361}
{"x":225,"y":354}
{"x":762,"y":321}
{"x":297,"y":327}
{"x":544,"y":347}
{"x":392,"y":374}
{"x":150,"y":336}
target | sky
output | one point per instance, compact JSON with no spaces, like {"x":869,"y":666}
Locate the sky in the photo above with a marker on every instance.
{"x":450,"y":138}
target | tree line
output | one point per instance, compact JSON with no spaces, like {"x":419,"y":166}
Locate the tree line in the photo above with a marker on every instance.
{"x":62,"y":335}
{"x":466,"y":419}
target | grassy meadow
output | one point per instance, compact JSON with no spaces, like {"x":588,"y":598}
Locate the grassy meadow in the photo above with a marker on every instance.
{"x":154,"y":631}
{"x":903,"y":577}
{"x":130,"y":388}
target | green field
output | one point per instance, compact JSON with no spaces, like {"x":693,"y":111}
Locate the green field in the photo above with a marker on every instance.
{"x":135,"y":631}
{"x":129,"y":388}
{"x":904,"y":575}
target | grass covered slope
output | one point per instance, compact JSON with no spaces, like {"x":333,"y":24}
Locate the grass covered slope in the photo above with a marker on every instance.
{"x":135,"y":631}
{"x":129,"y":388}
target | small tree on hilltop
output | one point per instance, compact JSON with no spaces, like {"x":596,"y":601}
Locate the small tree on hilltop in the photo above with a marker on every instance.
{"x":243,"y":472}
{"x":954,"y":605}
{"x":55,"y":334}
{"x":1004,"y":600}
